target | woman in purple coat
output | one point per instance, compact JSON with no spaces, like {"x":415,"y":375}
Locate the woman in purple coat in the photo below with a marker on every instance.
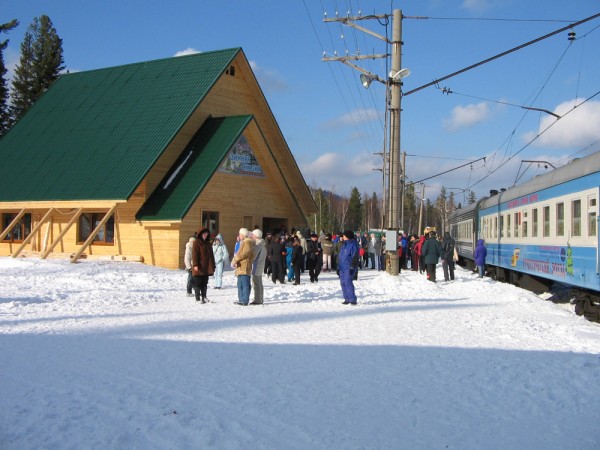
{"x":479,"y":255}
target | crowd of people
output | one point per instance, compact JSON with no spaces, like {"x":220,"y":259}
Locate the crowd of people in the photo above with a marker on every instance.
{"x":285,"y":256}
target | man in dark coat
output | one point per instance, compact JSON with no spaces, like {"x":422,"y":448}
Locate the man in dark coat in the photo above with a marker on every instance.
{"x":203,"y":264}
{"x":448,"y":256}
{"x":431,"y":251}
{"x":314,"y":254}
{"x":276,"y":253}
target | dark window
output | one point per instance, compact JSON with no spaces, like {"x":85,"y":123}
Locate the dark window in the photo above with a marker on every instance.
{"x":576,"y":217}
{"x":210,"y":220}
{"x":560,"y":219}
{"x":89,"y":221}
{"x":546,"y":219}
{"x":20,"y":231}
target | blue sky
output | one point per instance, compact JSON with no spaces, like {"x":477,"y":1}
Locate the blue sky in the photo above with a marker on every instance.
{"x":333,"y":125}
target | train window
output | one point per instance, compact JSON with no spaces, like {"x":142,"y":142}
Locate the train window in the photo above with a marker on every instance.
{"x":524,"y":228}
{"x":516,"y":225}
{"x":495,"y":227}
{"x":576,"y":217}
{"x":546,"y":219}
{"x":592,"y":218}
{"x":534,"y":224}
{"x":560,"y":219}
{"x":501,"y":226}
{"x":508,"y":225}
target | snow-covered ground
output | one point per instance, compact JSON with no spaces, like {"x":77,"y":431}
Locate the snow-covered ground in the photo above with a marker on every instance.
{"x":113,"y":355}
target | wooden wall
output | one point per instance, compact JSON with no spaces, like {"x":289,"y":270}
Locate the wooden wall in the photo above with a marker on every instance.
{"x":281,"y":193}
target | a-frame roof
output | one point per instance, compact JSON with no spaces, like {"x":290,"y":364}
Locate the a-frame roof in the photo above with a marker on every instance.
{"x":175,"y":195}
{"x":95,"y":135}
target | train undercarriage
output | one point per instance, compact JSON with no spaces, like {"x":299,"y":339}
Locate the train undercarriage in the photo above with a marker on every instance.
{"x":587,"y":303}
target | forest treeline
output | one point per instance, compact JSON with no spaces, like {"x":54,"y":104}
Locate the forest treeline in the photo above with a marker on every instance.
{"x":363,"y":212}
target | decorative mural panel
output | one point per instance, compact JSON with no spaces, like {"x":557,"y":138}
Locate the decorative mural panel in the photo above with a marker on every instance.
{"x":241,"y":160}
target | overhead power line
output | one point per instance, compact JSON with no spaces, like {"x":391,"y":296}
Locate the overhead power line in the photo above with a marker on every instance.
{"x":502,"y":54}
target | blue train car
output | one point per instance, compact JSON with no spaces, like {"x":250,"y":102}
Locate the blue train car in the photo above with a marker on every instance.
{"x":546,"y":227}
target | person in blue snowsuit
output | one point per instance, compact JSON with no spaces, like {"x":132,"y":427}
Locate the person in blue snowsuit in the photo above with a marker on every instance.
{"x":479,"y":255}
{"x":348,"y":266}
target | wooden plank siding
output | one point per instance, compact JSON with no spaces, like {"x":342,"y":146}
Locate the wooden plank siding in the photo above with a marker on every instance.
{"x":281,"y":193}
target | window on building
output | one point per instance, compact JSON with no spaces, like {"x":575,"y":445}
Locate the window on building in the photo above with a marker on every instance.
{"x":88,"y":223}
{"x":560,"y":219}
{"x":20,"y":231}
{"x":210,"y":221}
{"x":534,"y":223}
{"x":576,"y":217}
{"x":546,"y":219}
{"x":592,"y":218}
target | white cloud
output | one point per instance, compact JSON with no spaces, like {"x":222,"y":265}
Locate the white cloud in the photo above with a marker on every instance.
{"x":187,"y":51}
{"x":335,"y":170}
{"x":356,"y":117}
{"x":467,"y":116}
{"x":269,"y":80}
{"x":575,"y":129}
{"x":477,"y":5}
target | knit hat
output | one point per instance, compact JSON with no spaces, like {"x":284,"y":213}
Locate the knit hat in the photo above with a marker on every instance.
{"x":257,"y":233}
{"x":243,"y":231}
{"x":349,"y":234}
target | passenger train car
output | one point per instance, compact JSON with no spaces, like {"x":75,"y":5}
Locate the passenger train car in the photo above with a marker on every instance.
{"x":546,"y":228}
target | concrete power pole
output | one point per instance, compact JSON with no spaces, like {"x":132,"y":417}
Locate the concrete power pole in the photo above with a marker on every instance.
{"x":395,"y":104}
{"x":393,"y":82}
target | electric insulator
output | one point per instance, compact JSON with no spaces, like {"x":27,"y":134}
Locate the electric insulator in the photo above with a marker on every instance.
{"x":571,"y":35}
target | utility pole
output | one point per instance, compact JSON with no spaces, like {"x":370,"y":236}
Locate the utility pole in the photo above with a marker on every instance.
{"x":394,"y":83}
{"x":395,"y":103}
{"x":421,"y":211}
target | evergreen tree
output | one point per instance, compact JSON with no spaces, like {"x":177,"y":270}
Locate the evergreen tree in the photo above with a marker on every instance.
{"x":472,"y":198}
{"x":39,"y":66}
{"x":323,"y":219}
{"x":4,"y":112}
{"x":354,"y":216}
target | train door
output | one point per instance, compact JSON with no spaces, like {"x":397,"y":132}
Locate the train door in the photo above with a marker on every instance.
{"x":593,"y":225}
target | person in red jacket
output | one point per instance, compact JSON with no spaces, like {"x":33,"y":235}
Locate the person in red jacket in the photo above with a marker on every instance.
{"x":418,"y":248}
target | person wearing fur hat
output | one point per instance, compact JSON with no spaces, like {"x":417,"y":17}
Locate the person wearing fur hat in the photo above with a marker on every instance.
{"x":203,"y":264}
{"x":258,"y":266}
{"x":314,"y":257}
{"x":221,"y":255}
{"x":348,"y":266}
{"x":187,"y":260}
{"x":242,"y":263}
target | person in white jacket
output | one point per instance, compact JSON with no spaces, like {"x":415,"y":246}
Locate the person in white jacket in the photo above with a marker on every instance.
{"x":187,"y":260}
{"x":221,"y":255}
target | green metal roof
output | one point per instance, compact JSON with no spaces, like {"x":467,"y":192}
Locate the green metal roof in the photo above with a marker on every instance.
{"x":94,"y":135}
{"x":176,"y":193}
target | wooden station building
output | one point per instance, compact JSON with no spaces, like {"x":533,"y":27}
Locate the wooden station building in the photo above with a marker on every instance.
{"x":128,"y":162}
